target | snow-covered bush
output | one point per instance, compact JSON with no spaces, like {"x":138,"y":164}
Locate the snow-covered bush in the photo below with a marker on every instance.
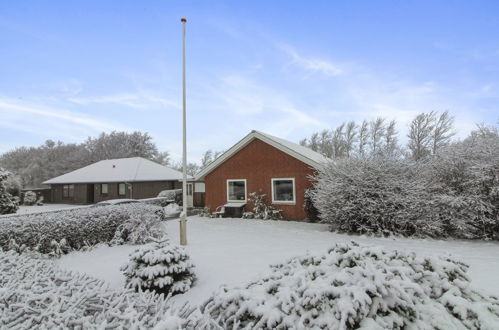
{"x":8,"y":203}
{"x":39,"y":201}
{"x":159,"y":201}
{"x":29,"y":198}
{"x":309,"y":207}
{"x":354,"y":287}
{"x":172,"y":195}
{"x":132,"y":223}
{"x":261,"y":210}
{"x":160,"y":267}
{"x":35,"y":294}
{"x":370,"y":196}
{"x":454,"y":193}
{"x":463,"y":183}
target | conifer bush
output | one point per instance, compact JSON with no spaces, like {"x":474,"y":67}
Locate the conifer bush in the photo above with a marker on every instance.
{"x":160,"y":267}
{"x":354,"y":287}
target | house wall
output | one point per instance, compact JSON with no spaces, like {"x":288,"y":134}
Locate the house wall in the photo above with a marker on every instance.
{"x":139,"y":190}
{"x":79,"y":196}
{"x":258,"y":163}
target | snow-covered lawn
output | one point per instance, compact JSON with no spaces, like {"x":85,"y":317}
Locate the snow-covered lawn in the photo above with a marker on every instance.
{"x":233,"y":251}
{"x":24,"y":209}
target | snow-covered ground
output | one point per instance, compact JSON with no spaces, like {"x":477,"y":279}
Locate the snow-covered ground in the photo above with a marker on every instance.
{"x":233,"y":251}
{"x":23,"y":209}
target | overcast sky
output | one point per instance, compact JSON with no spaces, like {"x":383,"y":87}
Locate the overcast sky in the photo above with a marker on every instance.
{"x":70,"y":70}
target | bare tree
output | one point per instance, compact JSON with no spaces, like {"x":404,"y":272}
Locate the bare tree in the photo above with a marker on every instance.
{"x":314,"y":142}
{"x":377,"y":131}
{"x":208,"y":157}
{"x":325,"y":146}
{"x":420,"y":135}
{"x":350,"y":137}
{"x":442,"y":131}
{"x":363,"y":137}
{"x":338,"y":141}
{"x":391,"y":140}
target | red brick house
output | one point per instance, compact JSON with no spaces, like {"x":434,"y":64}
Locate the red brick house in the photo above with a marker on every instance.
{"x":264,"y":164}
{"x":114,"y":179}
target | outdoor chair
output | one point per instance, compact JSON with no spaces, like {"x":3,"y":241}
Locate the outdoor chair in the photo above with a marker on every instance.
{"x":219,"y":211}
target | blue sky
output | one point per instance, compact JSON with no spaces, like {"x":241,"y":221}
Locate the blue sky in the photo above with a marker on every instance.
{"x":73,"y":69}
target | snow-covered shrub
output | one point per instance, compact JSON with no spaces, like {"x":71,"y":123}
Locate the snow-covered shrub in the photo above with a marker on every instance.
{"x":172,"y":195}
{"x":29,"y":198}
{"x":160,"y":267}
{"x":132,"y":223}
{"x":205,"y":212}
{"x":370,"y":196}
{"x":354,"y":287}
{"x":159,"y":201}
{"x":35,"y":294}
{"x":463,"y":183}
{"x":261,"y":210}
{"x":39,"y":201}
{"x":8,"y":203}
{"x":309,"y":207}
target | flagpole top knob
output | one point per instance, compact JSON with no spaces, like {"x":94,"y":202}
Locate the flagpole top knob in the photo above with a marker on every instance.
{"x":183,"y":20}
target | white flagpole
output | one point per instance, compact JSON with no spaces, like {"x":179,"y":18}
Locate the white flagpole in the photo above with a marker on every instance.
{"x":183,"y":218}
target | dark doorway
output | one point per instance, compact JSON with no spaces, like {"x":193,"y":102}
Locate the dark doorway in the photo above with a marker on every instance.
{"x":90,"y":193}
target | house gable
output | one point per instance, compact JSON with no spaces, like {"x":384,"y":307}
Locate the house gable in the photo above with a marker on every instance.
{"x":301,"y":153}
{"x":258,"y":163}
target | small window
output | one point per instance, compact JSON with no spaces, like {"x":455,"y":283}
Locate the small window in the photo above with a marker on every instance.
{"x":121,"y":189}
{"x":104,"y":189}
{"x":283,"y":191}
{"x":68,"y":191}
{"x":236,"y":190}
{"x":189,"y":189}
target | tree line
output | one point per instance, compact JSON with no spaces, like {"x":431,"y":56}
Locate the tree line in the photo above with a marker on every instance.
{"x":30,"y":166}
{"x":428,"y":134}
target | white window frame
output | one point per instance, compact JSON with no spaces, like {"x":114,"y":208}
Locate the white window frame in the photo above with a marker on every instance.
{"x":124,"y":189}
{"x":107,"y":189}
{"x":245,"y":190}
{"x":293,"y":202}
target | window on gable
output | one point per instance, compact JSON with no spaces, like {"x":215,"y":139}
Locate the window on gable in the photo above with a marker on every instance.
{"x":283,"y":191}
{"x":236,"y":190}
{"x":121,"y":189}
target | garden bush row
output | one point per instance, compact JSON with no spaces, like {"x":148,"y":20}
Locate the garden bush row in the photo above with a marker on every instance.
{"x":452,"y":194}
{"x":77,"y":228}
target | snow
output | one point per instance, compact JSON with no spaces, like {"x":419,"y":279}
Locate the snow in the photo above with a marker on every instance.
{"x":23,"y":209}
{"x":133,"y":169}
{"x":235,"y":251}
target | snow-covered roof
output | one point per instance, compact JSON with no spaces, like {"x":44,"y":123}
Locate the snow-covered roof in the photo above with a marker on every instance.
{"x":304,"y":154}
{"x":136,"y":169}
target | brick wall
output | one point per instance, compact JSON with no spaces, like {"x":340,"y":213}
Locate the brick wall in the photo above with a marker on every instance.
{"x":259,"y":162}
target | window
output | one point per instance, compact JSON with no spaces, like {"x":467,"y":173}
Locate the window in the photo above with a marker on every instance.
{"x":283,"y":191}
{"x":68,"y":191}
{"x":189,"y":189}
{"x":121,"y":189}
{"x":104,"y":189}
{"x":236,"y":190}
